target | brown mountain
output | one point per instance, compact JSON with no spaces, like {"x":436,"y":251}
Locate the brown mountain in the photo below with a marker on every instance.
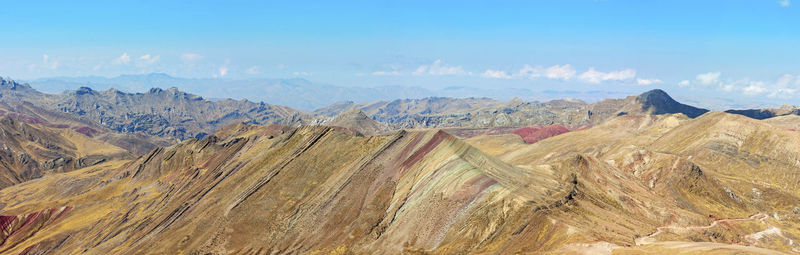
{"x":136,"y":143}
{"x":638,"y":183}
{"x":29,"y":151}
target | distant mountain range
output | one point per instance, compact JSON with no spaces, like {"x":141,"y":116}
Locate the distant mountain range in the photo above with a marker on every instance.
{"x":298,"y":93}
{"x":172,"y":113}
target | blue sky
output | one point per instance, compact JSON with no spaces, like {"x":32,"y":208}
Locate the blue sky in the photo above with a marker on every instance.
{"x":742,"y":50}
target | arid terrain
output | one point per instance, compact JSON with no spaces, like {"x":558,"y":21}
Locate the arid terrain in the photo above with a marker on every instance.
{"x":639,"y":175}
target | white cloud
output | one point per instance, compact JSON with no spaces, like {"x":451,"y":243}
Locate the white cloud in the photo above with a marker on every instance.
{"x":52,"y":64}
{"x":439,"y":68}
{"x":531,"y":72}
{"x":121,"y":60}
{"x":784,"y":3}
{"x":786,"y":86}
{"x":728,"y":87}
{"x":301,"y":73}
{"x":710,"y":78}
{"x":420,"y":70}
{"x":594,"y":76}
{"x":191,"y":57}
{"x":147,"y":59}
{"x":221,"y":72}
{"x":253,"y":70}
{"x":560,"y":72}
{"x":784,"y":80}
{"x":497,"y":74}
{"x":647,"y":82}
{"x":783,"y":93}
{"x":385,"y":73}
{"x":755,"y":88}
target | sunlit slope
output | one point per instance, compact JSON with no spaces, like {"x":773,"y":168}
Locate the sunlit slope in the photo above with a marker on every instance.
{"x":29,"y":151}
{"x":719,"y":178}
{"x":136,"y":143}
{"x":303,"y":190}
{"x":638,"y":183}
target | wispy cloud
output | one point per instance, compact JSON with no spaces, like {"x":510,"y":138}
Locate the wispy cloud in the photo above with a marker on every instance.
{"x":710,"y":78}
{"x":786,"y":86}
{"x":253,"y":70}
{"x":122,"y":59}
{"x":648,"y":82}
{"x":191,"y":57}
{"x":594,"y":76}
{"x":51,"y":64}
{"x":221,"y":72}
{"x":386,"y":73}
{"x":439,"y":68}
{"x":785,"y":3}
{"x":147,"y":59}
{"x":755,"y":88}
{"x":496,"y":74}
{"x":786,"y":80}
{"x":557,"y":72}
{"x":560,"y":72}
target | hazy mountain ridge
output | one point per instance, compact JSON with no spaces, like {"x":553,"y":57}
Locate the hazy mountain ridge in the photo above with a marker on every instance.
{"x":297,"y":93}
{"x":166,"y":113}
{"x":177,"y":114}
{"x":489,"y":113}
{"x":300,"y":93}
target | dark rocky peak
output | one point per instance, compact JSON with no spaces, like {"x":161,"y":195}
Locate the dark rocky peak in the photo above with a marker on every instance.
{"x":7,"y":83}
{"x":659,"y":102}
{"x":155,"y":91}
{"x":84,"y":91}
{"x":174,"y":93}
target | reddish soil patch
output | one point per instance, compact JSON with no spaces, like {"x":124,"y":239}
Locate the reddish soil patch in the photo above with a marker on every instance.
{"x":87,"y":131}
{"x":535,"y":134}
